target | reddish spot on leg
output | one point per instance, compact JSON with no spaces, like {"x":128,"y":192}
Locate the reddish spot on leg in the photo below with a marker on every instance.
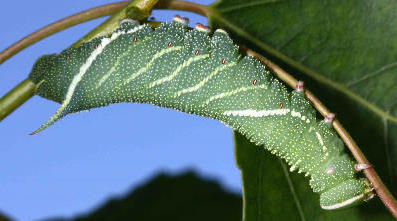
{"x":329,"y":118}
{"x":299,"y":86}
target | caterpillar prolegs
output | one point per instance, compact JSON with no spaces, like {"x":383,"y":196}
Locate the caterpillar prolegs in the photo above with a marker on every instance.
{"x":197,"y":72}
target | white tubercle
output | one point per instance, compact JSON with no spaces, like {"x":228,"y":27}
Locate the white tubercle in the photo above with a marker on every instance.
{"x":179,"y":19}
{"x":202,"y":28}
{"x":219,"y":30}
{"x":129,"y":20}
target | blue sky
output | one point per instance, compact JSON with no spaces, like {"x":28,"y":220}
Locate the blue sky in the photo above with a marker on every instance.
{"x":78,"y":163}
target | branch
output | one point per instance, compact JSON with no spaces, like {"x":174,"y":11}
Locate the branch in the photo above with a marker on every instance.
{"x":16,"y":97}
{"x":384,"y":194}
{"x":25,"y":90}
{"x":183,"y":6}
{"x":138,"y":9}
{"x":60,"y":25}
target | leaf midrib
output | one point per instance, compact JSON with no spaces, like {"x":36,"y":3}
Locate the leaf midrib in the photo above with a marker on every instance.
{"x":292,"y":189}
{"x":305,"y":70}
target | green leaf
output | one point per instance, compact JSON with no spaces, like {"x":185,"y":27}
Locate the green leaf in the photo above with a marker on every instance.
{"x":345,"y":51}
{"x":271,"y":192}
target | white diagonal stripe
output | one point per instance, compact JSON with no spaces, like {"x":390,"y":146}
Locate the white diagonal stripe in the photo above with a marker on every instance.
{"x":204,"y":81}
{"x":177,"y":70}
{"x":84,"y":68}
{"x":156,"y":56}
{"x":319,"y":138}
{"x":230,"y":93}
{"x":107,"y":75}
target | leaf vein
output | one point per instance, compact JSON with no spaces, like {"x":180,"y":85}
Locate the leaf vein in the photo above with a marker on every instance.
{"x":309,"y":72}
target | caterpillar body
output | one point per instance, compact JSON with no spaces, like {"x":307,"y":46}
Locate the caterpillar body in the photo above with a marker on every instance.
{"x":201,"y":73}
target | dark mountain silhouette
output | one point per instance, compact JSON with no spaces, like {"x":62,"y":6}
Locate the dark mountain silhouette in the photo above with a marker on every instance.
{"x":4,"y":218}
{"x":186,"y":197}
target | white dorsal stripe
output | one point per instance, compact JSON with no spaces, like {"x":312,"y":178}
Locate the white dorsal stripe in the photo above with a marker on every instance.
{"x":205,"y":80}
{"x":256,"y":113}
{"x":154,"y":58}
{"x":84,"y":68}
{"x":264,"y":113}
{"x":177,"y":70}
{"x":230,"y":93}
{"x":272,"y":112}
{"x":344,"y":203}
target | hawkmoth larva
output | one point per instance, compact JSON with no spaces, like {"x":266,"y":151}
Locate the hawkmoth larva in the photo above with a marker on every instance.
{"x":201,"y":73}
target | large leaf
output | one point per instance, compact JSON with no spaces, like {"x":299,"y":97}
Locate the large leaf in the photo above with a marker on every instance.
{"x":271,"y":192}
{"x":346,"y":52}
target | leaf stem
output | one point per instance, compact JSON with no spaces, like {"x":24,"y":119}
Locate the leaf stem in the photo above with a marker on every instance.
{"x":16,"y":97}
{"x":384,"y":194}
{"x":60,"y":25}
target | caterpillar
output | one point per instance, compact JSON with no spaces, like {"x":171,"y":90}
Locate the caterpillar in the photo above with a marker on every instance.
{"x":199,"y":72}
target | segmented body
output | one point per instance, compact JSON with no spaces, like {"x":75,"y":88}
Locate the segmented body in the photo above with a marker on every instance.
{"x":194,"y":72}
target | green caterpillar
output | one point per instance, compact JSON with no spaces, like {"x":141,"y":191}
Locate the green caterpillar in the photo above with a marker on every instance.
{"x":194,"y":72}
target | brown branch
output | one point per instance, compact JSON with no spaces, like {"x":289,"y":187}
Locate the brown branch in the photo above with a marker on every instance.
{"x":380,"y":188}
{"x":183,"y":6}
{"x":382,"y":191}
{"x":61,"y":25}
{"x":136,"y":9}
